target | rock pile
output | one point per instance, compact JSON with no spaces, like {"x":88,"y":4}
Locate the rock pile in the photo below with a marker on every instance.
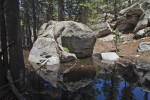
{"x":135,"y":18}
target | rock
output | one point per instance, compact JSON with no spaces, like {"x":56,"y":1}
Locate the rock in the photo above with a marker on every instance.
{"x":145,"y":5}
{"x":136,"y":7}
{"x":140,"y":33}
{"x":45,"y":49}
{"x":66,"y":57}
{"x":143,"y":21}
{"x":147,"y":76}
{"x":107,"y":38}
{"x":144,"y":46}
{"x":42,"y":29}
{"x":109,"y":57}
{"x":143,"y":33}
{"x":143,"y":65}
{"x":77,"y":37}
{"x":129,"y":17}
{"x":147,"y":31}
{"x":134,"y":12}
{"x":104,"y":29}
{"x":125,"y":23}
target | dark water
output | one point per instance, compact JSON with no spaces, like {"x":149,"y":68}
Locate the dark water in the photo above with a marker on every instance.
{"x":88,"y":79}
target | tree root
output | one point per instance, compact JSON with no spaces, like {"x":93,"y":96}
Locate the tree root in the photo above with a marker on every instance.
{"x":13,"y":87}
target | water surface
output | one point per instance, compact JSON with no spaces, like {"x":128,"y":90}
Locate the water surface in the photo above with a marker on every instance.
{"x":89,"y":79}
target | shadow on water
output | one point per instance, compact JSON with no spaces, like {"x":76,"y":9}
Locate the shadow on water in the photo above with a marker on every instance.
{"x":89,"y":79}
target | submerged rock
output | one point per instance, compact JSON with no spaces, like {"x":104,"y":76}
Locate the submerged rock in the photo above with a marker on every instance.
{"x":144,"y":46}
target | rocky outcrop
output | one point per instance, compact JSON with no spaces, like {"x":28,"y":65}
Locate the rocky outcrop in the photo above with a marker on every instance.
{"x":144,"y":46}
{"x":104,"y":30}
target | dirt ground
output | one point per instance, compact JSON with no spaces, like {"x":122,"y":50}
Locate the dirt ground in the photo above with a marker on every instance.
{"x":128,"y":49}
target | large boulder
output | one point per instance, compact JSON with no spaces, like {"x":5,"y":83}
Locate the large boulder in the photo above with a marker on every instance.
{"x":54,"y":36}
{"x":77,"y":37}
{"x":104,"y":29}
{"x":144,"y":46}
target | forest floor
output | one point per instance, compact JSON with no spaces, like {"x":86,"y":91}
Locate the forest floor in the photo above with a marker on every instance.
{"x":128,"y":49}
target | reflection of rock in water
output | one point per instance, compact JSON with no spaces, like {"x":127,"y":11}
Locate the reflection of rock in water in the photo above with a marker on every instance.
{"x":70,"y":76}
{"x":143,"y":71}
{"x":77,"y":77}
{"x":138,"y":74}
{"x":47,"y":74}
{"x":78,"y":74}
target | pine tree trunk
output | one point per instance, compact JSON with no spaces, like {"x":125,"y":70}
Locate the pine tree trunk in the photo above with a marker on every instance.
{"x":4,"y":63}
{"x":34,"y":20}
{"x":16,"y":62}
{"x":61,"y":9}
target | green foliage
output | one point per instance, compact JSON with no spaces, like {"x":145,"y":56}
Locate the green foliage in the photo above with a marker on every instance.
{"x":66,"y":49}
{"x":118,"y":39}
{"x":94,"y":28}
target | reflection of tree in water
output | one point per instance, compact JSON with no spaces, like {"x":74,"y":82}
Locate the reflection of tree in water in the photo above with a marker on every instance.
{"x":110,"y":88}
{"x":87,"y":93}
{"x":127,"y":93}
{"x":146,"y":96}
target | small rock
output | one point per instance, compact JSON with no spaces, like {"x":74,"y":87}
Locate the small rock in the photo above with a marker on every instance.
{"x":105,"y":29}
{"x":107,"y":38}
{"x":109,"y":57}
{"x":144,"y":46}
{"x":143,"y":65}
{"x":66,"y":57}
{"x":140,"y":33}
{"x":147,"y":76}
{"x":143,"y":21}
{"x":137,"y":55}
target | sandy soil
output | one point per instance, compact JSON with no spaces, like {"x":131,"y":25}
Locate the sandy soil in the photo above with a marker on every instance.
{"x":129,"y":49}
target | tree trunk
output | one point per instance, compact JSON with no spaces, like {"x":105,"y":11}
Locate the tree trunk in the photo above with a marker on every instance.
{"x":16,"y":62}
{"x":4,"y":63}
{"x":34,"y":19}
{"x":61,"y":9}
{"x":28,"y":28}
{"x":115,"y":9}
